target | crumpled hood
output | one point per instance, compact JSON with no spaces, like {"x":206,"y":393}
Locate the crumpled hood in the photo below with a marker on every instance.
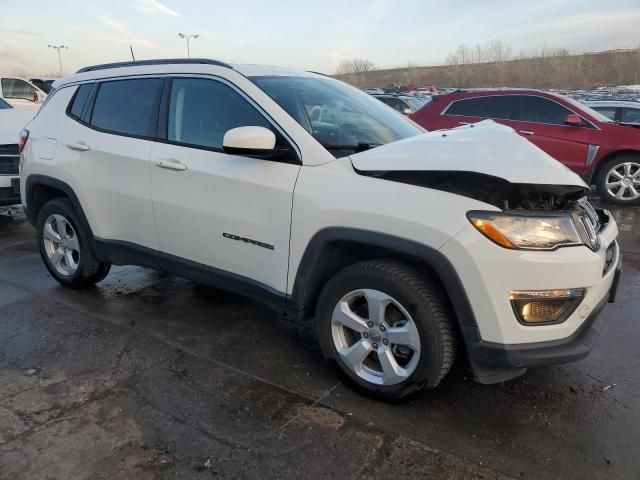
{"x":486,"y":147}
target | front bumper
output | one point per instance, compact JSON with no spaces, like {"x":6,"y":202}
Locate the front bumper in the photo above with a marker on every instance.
{"x":499,"y":347}
{"x":565,"y":350}
{"x":9,"y":191}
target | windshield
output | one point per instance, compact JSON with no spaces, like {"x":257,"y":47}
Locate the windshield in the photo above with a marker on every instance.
{"x":595,"y":114}
{"x":342,"y":118}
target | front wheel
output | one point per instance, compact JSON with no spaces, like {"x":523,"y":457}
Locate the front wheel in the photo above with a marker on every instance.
{"x":618,"y":180}
{"x":386,"y":327}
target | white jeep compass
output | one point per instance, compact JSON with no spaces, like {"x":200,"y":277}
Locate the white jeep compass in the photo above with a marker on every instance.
{"x":402,"y":247}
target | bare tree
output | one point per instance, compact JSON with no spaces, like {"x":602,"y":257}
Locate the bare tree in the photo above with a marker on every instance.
{"x":356,"y":65}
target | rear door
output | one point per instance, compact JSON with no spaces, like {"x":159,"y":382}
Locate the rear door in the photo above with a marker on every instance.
{"x":113,"y":126}
{"x":541,"y":121}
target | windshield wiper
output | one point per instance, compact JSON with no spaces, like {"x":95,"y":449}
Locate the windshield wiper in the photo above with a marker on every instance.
{"x":360,"y":147}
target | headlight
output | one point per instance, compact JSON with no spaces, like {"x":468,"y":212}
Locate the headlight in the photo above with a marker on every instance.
{"x":526,"y":231}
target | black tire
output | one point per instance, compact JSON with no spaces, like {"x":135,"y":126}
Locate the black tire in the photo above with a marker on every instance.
{"x":420,"y":298}
{"x":90,"y":270}
{"x":601,"y":180}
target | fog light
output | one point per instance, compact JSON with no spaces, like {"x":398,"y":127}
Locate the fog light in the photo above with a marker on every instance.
{"x":544,"y":307}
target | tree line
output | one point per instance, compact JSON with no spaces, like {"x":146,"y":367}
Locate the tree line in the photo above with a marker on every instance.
{"x":495,"y":65}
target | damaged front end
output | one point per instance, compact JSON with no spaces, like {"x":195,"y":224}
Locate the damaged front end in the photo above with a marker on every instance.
{"x":492,"y":190}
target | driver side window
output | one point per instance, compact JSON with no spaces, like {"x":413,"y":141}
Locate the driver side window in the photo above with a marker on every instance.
{"x":16,"y":88}
{"x":201,"y":111}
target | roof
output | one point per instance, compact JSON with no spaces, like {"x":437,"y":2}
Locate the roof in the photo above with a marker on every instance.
{"x":175,"y":65}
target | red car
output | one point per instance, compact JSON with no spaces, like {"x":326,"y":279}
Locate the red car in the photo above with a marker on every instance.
{"x":602,"y":152}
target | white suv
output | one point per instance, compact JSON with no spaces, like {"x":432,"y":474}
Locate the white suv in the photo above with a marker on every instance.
{"x":405,"y":247}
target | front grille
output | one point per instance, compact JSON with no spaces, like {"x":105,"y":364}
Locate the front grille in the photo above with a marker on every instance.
{"x":9,"y":159}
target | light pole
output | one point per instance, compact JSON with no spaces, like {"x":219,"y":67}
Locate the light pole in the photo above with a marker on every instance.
{"x":188,"y":37}
{"x":58,"y":48}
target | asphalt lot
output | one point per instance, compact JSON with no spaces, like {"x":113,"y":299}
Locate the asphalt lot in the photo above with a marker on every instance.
{"x":151,"y":376}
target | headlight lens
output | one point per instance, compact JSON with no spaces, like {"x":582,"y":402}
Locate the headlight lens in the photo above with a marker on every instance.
{"x":527,"y":232}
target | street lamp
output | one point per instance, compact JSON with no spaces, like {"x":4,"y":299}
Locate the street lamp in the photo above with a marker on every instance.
{"x":188,"y":37}
{"x":58,"y":48}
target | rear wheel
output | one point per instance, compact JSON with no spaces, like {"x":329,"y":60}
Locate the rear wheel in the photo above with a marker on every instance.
{"x":387,"y":329}
{"x":618,"y":180}
{"x":65,"y":248}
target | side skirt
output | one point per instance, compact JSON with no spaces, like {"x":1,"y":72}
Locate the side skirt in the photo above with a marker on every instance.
{"x":125,"y":253}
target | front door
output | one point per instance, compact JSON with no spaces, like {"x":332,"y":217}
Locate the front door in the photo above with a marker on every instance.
{"x":226,"y":212}
{"x":542,"y":123}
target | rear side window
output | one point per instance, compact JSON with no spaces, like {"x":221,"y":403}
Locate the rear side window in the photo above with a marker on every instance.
{"x":609,"y":112}
{"x":202,"y":111}
{"x":79,"y":100}
{"x":127,"y":106}
{"x":542,"y":110}
{"x":498,"y":106}
{"x":630,"y":115}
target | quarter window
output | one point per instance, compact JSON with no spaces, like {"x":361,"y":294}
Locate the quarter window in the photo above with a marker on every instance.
{"x":496,"y":106}
{"x":201,"y":111}
{"x":127,"y":106}
{"x":79,"y":100}
{"x":542,"y":110}
{"x":16,"y":88}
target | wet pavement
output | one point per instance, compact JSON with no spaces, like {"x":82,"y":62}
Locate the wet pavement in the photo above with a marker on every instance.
{"x":151,"y":376}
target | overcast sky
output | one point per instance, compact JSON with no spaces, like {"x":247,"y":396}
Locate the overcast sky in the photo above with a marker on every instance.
{"x":314,"y":34}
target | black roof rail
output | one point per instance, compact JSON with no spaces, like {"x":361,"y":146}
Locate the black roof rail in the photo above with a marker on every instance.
{"x":160,"y":61}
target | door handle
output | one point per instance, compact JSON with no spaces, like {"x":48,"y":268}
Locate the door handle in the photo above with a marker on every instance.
{"x":526,"y":132}
{"x":171,"y":164}
{"x":80,"y":146}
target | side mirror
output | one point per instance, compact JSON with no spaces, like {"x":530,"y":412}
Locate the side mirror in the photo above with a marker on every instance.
{"x":407,"y":111}
{"x":249,"y":142}
{"x":574,"y":120}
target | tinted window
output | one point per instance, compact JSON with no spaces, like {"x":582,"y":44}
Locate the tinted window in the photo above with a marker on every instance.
{"x":202,"y":111}
{"x":126,"y":106}
{"x":16,"y":88}
{"x":631,"y":115}
{"x":542,"y":110}
{"x":79,"y":99}
{"x":609,"y":112}
{"x":4,"y":105}
{"x":394,"y":103}
{"x":498,"y":106}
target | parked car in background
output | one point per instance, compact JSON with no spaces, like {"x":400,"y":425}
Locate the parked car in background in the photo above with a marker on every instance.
{"x":404,"y":104}
{"x":601,"y":151}
{"x":44,"y":84}
{"x":381,"y":238}
{"x":374,"y":91}
{"x":18,"y":91}
{"x":12,"y":120}
{"x":618,"y":111}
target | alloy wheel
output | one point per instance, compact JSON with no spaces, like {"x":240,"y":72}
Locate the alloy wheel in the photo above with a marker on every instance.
{"x":623,"y":181}
{"x":61,"y":245}
{"x":375,"y":337}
